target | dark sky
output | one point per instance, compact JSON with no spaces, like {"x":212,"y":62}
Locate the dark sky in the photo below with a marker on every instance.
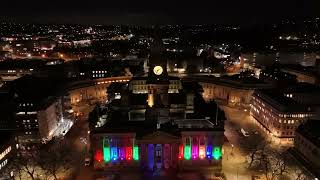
{"x":156,"y":11}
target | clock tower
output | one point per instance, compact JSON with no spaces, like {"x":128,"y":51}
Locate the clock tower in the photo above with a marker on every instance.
{"x":158,"y":84}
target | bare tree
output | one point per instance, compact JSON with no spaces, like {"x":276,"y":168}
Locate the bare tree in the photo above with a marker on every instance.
{"x":56,"y":159}
{"x":273,"y":164}
{"x":299,"y":174}
{"x":256,"y":152}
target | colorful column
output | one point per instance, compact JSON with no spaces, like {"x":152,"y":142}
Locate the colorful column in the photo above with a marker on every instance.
{"x":106,"y":150}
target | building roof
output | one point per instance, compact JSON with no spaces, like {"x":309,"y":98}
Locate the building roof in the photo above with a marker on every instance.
{"x":310,"y":130}
{"x":38,"y":90}
{"x":5,"y":137}
{"x":280,"y":102}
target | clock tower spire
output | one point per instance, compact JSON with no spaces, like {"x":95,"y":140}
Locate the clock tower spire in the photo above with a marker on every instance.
{"x":158,"y":83}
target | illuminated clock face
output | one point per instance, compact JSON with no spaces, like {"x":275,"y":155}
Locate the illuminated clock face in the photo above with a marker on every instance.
{"x":157,"y":70}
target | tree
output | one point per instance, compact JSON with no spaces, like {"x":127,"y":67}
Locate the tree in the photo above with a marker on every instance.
{"x":56,"y":159}
{"x":274,"y":165}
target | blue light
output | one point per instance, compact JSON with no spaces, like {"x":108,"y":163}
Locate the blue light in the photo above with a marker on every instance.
{"x":114,"y":153}
{"x":209,"y":151}
{"x":150,"y":156}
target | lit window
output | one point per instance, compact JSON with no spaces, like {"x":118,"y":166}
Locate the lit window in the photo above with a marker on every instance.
{"x":19,"y":113}
{"x":33,"y":112}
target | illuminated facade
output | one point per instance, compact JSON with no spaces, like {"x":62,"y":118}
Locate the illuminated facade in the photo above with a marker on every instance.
{"x":7,"y":151}
{"x":147,"y":148}
{"x":279,"y":115}
{"x":42,"y":112}
{"x":228,"y":95}
{"x":153,"y":128}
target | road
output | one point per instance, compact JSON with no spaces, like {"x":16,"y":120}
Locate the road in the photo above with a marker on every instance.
{"x":238,"y":146}
{"x":79,"y":138}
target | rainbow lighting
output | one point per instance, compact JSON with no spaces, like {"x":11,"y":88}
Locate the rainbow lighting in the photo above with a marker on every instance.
{"x":217,"y":153}
{"x":114,"y":153}
{"x":180,"y":152}
{"x":129,"y":153}
{"x":122,"y":153}
{"x":106,"y":150}
{"x":135,"y":153}
{"x":209,"y":151}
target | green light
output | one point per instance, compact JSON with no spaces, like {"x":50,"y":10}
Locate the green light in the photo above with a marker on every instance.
{"x":217,"y":153}
{"x":187,"y":152}
{"x":106,"y":150}
{"x":106,"y":154}
{"x":136,"y":153}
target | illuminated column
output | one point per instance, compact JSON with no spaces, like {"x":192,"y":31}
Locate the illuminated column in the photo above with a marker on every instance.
{"x":106,"y":150}
{"x":135,"y":152}
{"x":129,"y":152}
{"x":187,"y":148}
{"x":150,"y":156}
{"x":122,"y":151}
{"x":195,"y":153}
{"x":180,"y":156}
{"x":209,"y":151}
{"x":114,"y":150}
{"x":166,"y":156}
{"x":98,"y":155}
{"x":217,"y":154}
{"x":202,"y":148}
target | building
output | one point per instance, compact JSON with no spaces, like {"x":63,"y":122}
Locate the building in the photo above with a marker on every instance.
{"x":7,"y":106}
{"x":43,"y":110}
{"x":14,"y":69}
{"x":275,"y":76}
{"x":235,"y":91}
{"x":157,"y":125}
{"x":279,"y":114}
{"x":8,"y":149}
{"x":307,"y":145}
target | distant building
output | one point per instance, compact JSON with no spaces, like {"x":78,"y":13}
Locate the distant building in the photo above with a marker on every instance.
{"x":279,"y":114}
{"x":275,"y":76}
{"x":231,"y":90}
{"x":303,"y":74}
{"x":307,"y":145}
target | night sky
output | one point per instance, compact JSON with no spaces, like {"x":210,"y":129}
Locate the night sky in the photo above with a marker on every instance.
{"x":155,"y":11}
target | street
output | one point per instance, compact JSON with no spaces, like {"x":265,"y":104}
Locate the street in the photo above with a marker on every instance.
{"x":238,"y":147}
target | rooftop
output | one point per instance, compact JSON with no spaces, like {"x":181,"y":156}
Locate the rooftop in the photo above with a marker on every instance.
{"x":310,"y":130}
{"x":280,"y":102}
